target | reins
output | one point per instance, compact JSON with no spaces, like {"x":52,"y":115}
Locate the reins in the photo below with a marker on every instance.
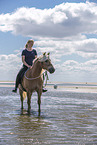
{"x":32,"y":78}
{"x":45,"y":75}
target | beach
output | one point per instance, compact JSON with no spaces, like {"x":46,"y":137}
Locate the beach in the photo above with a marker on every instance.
{"x":73,"y":86}
{"x":68,"y":116}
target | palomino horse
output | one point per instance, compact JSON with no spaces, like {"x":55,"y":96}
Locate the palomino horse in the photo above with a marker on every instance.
{"x":32,"y":80}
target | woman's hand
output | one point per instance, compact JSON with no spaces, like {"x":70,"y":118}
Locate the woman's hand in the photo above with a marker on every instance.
{"x":23,"y":60}
{"x":30,"y":67}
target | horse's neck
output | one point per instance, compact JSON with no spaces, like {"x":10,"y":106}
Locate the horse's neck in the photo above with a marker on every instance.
{"x":36,"y":70}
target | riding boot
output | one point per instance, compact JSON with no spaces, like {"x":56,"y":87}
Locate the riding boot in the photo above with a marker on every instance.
{"x":44,"y":90}
{"x":19,"y":77}
{"x":16,"y":85}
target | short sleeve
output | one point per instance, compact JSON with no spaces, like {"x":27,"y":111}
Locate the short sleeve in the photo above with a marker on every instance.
{"x":35,"y":52}
{"x":23,"y":53}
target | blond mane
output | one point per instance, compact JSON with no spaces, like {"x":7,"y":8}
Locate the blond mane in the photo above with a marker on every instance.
{"x":42,"y":58}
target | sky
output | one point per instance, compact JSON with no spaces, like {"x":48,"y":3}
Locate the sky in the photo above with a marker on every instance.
{"x":65,"y":28}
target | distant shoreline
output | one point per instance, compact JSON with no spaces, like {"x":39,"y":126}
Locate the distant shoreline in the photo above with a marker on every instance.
{"x":70,"y":87}
{"x":57,"y":82}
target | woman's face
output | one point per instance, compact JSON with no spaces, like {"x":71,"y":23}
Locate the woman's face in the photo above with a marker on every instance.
{"x":30,"y":44}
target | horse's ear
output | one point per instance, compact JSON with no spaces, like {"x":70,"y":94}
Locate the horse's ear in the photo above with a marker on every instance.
{"x":44,"y":53}
{"x":48,"y":53}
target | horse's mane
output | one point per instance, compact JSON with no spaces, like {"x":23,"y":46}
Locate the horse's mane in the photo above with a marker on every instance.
{"x":35,"y":60}
{"x":42,"y":58}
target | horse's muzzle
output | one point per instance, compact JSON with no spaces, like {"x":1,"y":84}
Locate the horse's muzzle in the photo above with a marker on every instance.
{"x":51,"y":70}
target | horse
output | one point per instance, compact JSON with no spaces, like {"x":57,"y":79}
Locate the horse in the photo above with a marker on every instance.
{"x":32,"y":80}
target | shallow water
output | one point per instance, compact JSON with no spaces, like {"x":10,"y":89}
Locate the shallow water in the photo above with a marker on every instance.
{"x":66,"y":118}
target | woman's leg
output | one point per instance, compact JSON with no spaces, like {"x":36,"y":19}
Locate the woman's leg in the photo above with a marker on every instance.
{"x":18,"y":78}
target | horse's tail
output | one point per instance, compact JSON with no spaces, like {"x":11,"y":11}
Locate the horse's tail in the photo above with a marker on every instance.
{"x":24,"y":95}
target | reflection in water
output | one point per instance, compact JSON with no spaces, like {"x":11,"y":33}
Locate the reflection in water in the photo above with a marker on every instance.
{"x":67,"y":118}
{"x":31,"y":129}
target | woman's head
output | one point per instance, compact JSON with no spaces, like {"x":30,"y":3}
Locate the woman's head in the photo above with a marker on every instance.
{"x":29,"y":43}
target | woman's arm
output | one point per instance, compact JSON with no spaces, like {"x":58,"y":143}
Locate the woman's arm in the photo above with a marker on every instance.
{"x":23,"y":60}
{"x":35,"y":56}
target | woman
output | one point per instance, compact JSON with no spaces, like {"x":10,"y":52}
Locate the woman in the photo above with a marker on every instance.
{"x":28,"y":55}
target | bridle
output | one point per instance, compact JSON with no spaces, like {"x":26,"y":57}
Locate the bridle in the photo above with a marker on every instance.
{"x":35,"y":77}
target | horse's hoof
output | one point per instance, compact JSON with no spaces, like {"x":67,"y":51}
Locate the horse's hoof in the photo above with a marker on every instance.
{"x":39,"y":114}
{"x":28,"y":111}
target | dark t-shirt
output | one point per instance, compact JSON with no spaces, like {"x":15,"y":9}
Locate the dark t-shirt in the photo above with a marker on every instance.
{"x":29,"y":56}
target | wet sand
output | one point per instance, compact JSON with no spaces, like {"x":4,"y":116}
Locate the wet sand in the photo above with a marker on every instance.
{"x":67,"y":117}
{"x":92,"y":88}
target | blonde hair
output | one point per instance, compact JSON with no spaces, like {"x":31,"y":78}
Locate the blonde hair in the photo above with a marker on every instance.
{"x":29,"y":42}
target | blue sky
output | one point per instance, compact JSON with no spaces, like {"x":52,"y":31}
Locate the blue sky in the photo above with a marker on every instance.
{"x":66,"y":29}
{"x":10,"y":6}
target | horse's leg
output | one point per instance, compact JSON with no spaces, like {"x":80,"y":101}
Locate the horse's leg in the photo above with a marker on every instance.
{"x":29,"y":101}
{"x":39,"y":101}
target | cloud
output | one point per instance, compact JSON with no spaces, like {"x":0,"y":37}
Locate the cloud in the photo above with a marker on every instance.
{"x":63,"y":31}
{"x":73,"y":71}
{"x":64,"y":20}
{"x":9,"y":66}
{"x":86,"y":48}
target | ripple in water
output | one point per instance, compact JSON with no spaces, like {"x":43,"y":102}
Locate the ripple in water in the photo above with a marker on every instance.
{"x":67,"y":118}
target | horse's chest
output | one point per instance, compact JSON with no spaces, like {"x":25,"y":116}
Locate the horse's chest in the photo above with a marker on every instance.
{"x":34,"y":84}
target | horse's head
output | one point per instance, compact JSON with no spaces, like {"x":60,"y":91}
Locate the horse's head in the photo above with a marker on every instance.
{"x":46,"y":63}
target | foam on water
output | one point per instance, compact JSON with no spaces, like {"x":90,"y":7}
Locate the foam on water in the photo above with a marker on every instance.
{"x":66,"y":118}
